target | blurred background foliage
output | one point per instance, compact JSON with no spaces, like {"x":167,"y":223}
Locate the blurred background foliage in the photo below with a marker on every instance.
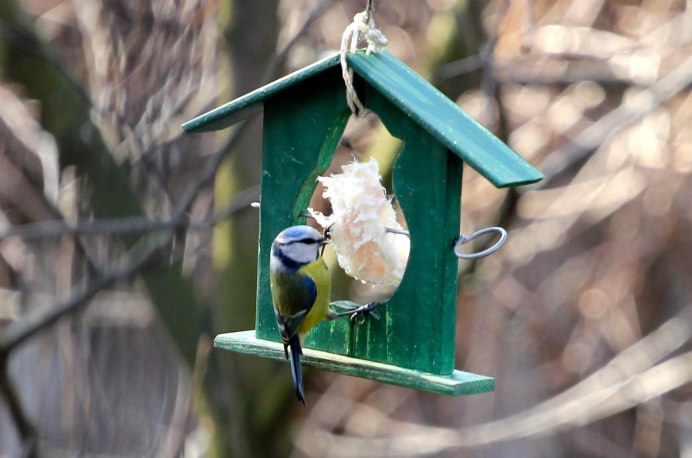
{"x":125,"y":246}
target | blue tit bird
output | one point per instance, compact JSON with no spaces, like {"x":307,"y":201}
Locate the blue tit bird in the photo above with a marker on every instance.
{"x":301,"y":287}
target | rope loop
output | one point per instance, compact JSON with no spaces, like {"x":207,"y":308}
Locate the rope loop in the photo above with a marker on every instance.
{"x":362,"y":28}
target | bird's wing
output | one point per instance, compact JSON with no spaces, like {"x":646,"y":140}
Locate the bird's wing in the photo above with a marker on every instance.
{"x":293,"y":296}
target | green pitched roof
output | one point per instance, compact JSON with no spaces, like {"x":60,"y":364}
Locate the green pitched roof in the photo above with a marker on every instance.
{"x":414,"y":96}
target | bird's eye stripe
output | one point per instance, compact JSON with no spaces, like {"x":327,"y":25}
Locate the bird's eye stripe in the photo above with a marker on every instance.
{"x":305,"y":240}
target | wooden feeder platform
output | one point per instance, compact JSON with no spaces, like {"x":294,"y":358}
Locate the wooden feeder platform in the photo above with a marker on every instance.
{"x":455,"y":384}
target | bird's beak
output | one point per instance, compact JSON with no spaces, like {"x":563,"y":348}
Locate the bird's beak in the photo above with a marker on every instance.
{"x":323,"y":243}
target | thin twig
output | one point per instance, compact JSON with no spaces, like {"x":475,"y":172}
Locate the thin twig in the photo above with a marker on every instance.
{"x":460,"y":67}
{"x":127,"y":225}
{"x":282,"y":55}
{"x":25,"y":429}
{"x":527,"y":26}
{"x":19,"y":331}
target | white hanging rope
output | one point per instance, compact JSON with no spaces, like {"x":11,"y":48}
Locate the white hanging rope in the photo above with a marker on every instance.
{"x":362,"y":28}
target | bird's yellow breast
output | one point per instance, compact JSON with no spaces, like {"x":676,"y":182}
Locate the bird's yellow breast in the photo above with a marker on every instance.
{"x":318,"y":272}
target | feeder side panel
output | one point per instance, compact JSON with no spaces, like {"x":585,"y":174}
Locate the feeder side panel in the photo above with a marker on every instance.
{"x":417,"y":325}
{"x":427,"y":185}
{"x":302,"y":127}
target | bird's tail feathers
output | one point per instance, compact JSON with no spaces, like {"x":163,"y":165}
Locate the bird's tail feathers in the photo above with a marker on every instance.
{"x":296,"y":372}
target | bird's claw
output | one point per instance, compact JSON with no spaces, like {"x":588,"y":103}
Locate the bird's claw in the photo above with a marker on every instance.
{"x":359,"y":314}
{"x":356,"y":313}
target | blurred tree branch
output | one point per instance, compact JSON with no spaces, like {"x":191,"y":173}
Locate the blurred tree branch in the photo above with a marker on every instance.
{"x":634,"y":376}
{"x":19,"y":36}
{"x":132,"y":264}
{"x":280,"y":58}
{"x":139,"y":258}
{"x":618,"y":119}
{"x":558,"y":316}
{"x":127,"y":225}
{"x":24,"y":427}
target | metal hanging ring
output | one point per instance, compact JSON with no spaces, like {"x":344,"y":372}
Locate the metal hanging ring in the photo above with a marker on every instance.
{"x":481,"y":254}
{"x":369,"y":7}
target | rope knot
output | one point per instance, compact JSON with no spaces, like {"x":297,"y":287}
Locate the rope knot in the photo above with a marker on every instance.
{"x":362,"y":28}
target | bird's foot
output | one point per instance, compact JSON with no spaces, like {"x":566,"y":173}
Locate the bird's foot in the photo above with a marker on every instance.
{"x":357,"y":313}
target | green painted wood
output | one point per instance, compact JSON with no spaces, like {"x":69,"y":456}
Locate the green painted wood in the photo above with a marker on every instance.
{"x":415,"y":97}
{"x":302,"y":129}
{"x":455,"y":384}
{"x":417,"y":325}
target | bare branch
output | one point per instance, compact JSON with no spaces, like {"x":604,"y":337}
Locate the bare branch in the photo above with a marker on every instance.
{"x":615,"y":121}
{"x":19,"y":331}
{"x":632,"y":377}
{"x":282,"y":55}
{"x":27,"y":41}
{"x":26,"y":430}
{"x":126,"y":226}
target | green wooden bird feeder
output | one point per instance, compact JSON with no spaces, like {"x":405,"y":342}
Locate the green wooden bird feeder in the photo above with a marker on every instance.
{"x":305,"y":114}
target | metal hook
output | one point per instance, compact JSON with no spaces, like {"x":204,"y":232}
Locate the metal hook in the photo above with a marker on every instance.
{"x":369,"y":9}
{"x":467,"y":238}
{"x":458,"y":242}
{"x":481,"y":254}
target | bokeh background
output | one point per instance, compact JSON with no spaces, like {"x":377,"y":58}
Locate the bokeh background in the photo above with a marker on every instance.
{"x":126,"y":246}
